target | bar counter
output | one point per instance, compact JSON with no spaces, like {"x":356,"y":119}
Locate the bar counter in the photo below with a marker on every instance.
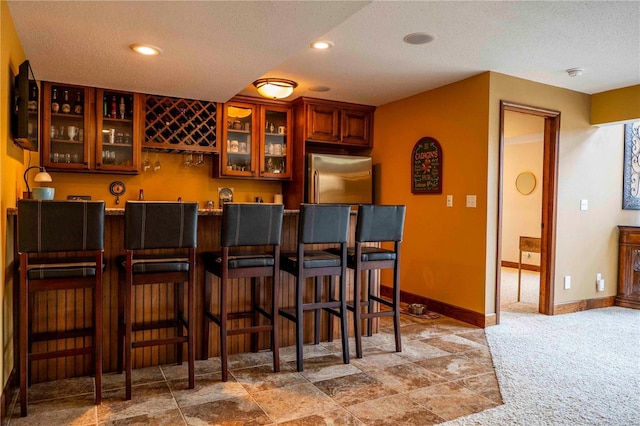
{"x":155,"y":302}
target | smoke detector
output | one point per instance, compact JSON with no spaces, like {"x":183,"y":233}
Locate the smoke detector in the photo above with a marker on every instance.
{"x":575,"y":72}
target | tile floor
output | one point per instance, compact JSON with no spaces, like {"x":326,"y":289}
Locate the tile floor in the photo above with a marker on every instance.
{"x":444,"y":371}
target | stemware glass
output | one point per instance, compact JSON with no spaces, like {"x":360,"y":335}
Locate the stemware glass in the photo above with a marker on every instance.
{"x":188,"y":159}
{"x":156,"y":164}
{"x":146,"y":164}
{"x":200,"y":161}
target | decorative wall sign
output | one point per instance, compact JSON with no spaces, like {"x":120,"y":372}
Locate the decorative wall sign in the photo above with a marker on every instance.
{"x":631,"y":181}
{"x":426,"y":167}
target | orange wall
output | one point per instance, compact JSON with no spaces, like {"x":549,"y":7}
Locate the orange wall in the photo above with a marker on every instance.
{"x":12,"y":163}
{"x":172,"y":181}
{"x":443,"y":252}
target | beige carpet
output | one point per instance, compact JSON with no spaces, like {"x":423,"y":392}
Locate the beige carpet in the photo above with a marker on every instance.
{"x":575,"y":369}
{"x":529,"y":291}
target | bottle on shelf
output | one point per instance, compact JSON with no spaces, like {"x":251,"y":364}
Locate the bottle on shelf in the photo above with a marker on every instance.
{"x":131,"y":107}
{"x":33,"y":99}
{"x":122,"y":107}
{"x":105,"y":107}
{"x":141,"y":195}
{"x":66,"y":107}
{"x":55,"y":106}
{"x":77,"y":108}
{"x":114,"y":114}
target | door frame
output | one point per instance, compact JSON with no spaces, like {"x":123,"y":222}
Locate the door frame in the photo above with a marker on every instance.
{"x":549,"y":202}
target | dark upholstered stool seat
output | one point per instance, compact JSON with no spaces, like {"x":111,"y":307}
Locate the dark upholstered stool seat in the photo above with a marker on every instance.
{"x":319,"y":224}
{"x":369,"y":254}
{"x":156,"y":264}
{"x":69,"y":268}
{"x":312,"y":259}
{"x":250,"y":248}
{"x":240,"y":259}
{"x":61,"y":248}
{"x":170,"y":230}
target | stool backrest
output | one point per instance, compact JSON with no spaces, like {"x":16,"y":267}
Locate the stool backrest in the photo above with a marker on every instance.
{"x":251,"y":224}
{"x":160,"y":225}
{"x":323,"y":223}
{"x":56,"y":226}
{"x":380,"y":223}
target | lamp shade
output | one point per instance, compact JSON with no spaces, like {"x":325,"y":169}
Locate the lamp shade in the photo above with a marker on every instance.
{"x":43,"y":176}
{"x":275,"y":88}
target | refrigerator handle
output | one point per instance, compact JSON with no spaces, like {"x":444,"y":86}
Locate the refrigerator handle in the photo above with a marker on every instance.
{"x":316,"y":189}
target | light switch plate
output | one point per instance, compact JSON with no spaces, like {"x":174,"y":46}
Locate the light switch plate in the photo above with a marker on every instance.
{"x":584,"y":204}
{"x":449,"y":200}
{"x":471,"y":200}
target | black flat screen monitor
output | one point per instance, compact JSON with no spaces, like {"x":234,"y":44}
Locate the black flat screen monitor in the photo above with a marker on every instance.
{"x":26,"y":109}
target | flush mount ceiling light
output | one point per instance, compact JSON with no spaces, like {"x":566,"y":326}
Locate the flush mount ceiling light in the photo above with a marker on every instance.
{"x":575,"y":72}
{"x":418,"y":38}
{"x":275,"y":88}
{"x":145,"y":49}
{"x":321,"y":44}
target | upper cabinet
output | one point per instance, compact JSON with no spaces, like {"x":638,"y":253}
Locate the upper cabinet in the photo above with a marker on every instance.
{"x":255,"y":140}
{"x":87,"y":129}
{"x":339,"y":123}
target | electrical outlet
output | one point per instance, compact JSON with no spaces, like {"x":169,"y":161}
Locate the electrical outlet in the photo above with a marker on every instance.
{"x":584,"y":204}
{"x":600,"y":285}
{"x":567,"y":282}
{"x":471,"y":201}
{"x":449,"y":200}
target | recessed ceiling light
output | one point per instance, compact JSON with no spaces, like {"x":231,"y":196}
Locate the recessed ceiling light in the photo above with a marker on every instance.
{"x":319,"y":89}
{"x":575,"y":72}
{"x":146,"y":49}
{"x":418,"y":38}
{"x":322,"y":44}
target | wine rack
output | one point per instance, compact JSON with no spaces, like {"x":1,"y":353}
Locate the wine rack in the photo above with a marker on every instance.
{"x":180,"y":125}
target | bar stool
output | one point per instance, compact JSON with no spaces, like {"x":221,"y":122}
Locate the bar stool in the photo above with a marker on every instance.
{"x":377,"y":224}
{"x":61,"y":247}
{"x":149,"y":228}
{"x":319,"y":224}
{"x":246,"y":232}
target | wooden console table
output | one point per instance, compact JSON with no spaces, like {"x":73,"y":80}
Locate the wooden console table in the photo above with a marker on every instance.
{"x":629,"y":267}
{"x":530,"y":244}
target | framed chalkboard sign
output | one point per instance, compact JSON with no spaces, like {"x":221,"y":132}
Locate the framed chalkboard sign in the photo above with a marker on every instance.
{"x":426,"y":167}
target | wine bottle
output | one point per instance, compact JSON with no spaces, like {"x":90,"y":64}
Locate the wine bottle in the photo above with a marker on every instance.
{"x":66,"y":107}
{"x":55,"y":106}
{"x":122,"y":107}
{"x":114,"y":114}
{"x":77,"y":108}
{"x":105,"y":107}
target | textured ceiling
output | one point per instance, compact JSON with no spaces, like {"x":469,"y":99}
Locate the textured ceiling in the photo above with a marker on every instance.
{"x":214,"y":50}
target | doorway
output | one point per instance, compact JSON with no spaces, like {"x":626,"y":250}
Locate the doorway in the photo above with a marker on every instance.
{"x":548,"y":186}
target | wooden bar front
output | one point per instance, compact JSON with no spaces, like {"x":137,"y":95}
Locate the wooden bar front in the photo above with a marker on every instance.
{"x":59,"y":310}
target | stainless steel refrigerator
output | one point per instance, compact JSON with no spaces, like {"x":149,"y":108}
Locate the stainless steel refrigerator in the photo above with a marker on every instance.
{"x":343,"y":179}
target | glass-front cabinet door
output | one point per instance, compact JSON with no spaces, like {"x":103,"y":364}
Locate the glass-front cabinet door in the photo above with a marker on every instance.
{"x":238,"y":148}
{"x":66,"y":126}
{"x":275,"y":145}
{"x":118,"y":131}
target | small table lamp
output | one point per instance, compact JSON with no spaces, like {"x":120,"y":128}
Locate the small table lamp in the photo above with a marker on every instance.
{"x":42,"y":176}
